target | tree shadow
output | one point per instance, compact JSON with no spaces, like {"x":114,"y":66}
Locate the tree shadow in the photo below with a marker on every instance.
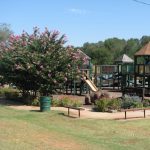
{"x":7,"y":102}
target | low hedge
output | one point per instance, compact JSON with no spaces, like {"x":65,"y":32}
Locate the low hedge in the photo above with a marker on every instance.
{"x":66,"y":101}
{"x":9,"y":93}
{"x":104,"y":105}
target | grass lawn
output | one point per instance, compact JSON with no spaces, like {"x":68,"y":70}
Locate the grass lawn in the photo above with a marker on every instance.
{"x":31,"y":130}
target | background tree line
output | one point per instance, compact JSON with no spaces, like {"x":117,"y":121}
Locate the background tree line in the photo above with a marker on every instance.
{"x":106,"y":52}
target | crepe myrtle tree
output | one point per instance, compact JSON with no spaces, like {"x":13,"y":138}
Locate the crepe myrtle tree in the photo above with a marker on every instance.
{"x":38,"y":61}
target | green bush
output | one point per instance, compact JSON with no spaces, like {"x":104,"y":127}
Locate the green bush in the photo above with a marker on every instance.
{"x":66,"y":101}
{"x":114,"y":104}
{"x":10,"y":93}
{"x":131,"y":102}
{"x":101,"y":105}
{"x":146,"y":102}
{"x":5,"y":91}
{"x":35,"y":102}
{"x":55,"y":102}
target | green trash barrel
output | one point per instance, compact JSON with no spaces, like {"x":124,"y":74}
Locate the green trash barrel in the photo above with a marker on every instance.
{"x":45,"y":103}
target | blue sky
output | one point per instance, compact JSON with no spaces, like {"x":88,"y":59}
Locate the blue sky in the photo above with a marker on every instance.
{"x":81,"y":20}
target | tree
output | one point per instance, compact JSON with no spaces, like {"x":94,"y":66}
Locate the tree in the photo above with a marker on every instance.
{"x":115,"y":46}
{"x":132,"y":45}
{"x":98,"y":53}
{"x":144,"y":40}
{"x":38,"y":62}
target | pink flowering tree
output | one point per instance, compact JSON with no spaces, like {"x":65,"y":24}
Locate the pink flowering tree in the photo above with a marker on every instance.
{"x":38,"y":61}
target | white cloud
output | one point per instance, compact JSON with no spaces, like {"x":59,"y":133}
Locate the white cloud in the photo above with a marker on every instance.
{"x":78,"y":11}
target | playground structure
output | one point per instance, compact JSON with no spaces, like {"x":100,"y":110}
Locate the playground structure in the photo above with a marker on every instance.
{"x":104,"y":75}
{"x":126,"y":75}
{"x":113,"y":76}
{"x":83,"y":84}
{"x":142,"y":69}
{"x":125,"y":71}
{"x":141,"y":73}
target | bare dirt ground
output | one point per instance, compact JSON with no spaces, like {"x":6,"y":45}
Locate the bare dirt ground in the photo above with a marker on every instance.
{"x":87,"y":112}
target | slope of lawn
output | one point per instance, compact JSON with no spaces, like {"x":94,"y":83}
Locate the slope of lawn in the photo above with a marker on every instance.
{"x":25,"y":130}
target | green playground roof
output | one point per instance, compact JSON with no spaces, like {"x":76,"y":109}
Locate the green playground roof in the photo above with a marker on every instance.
{"x":144,"y":51}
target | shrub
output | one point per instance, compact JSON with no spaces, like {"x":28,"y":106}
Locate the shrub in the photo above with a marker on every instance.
{"x":55,"y":102}
{"x":105,"y":104}
{"x":68,"y":101}
{"x":10,"y":93}
{"x":131,"y":102}
{"x":146,"y":102}
{"x":101,"y":105}
{"x":35,"y":102}
{"x":7,"y":90}
{"x":114,"y":104}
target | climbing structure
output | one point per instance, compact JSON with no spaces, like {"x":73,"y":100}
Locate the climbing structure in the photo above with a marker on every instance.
{"x":125,"y":68}
{"x":142,"y":68}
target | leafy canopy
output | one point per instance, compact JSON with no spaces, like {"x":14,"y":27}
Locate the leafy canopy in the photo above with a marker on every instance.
{"x":38,"y":62}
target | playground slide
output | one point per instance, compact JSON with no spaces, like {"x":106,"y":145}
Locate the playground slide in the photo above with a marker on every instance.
{"x":91,"y":84}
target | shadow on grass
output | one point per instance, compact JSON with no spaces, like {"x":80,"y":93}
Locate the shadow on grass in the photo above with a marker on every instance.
{"x":66,"y":115}
{"x":130,"y":118}
{"x":35,"y":110}
{"x":7,"y":102}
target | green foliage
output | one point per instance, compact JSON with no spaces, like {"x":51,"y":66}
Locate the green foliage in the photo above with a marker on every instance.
{"x":66,"y":101}
{"x":132,"y":45}
{"x":131,"y":102}
{"x":55,"y":102}
{"x":104,"y":104}
{"x":146,"y":102}
{"x":114,"y":104}
{"x":9,"y":93}
{"x":115,"y":45}
{"x":106,"y":52}
{"x":35,"y":102}
{"x":101,"y":105}
{"x":39,"y":61}
{"x":144,"y":40}
{"x":98,"y":53}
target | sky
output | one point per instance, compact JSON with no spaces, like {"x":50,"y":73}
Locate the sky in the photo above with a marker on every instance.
{"x":80,"y":20}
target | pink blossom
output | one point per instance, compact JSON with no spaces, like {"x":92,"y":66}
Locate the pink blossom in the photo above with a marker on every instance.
{"x":65,"y":78}
{"x":68,"y":65}
{"x":17,"y":67}
{"x":56,"y":32}
{"x":32,"y":37}
{"x":54,"y":81}
{"x":49,"y":75}
{"x":28,"y":66}
{"x":41,"y":66}
{"x":17,"y":37}
{"x":24,"y":43}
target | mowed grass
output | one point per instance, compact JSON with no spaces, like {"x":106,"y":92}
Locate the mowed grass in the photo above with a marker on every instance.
{"x":31,"y":130}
